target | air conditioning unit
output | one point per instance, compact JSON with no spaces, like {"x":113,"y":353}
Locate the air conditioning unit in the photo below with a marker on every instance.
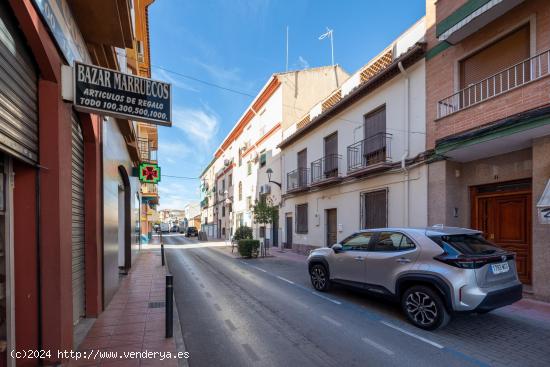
{"x":265,"y":190}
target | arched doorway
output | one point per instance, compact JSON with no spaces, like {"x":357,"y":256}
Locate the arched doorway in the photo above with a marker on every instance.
{"x":124,"y":222}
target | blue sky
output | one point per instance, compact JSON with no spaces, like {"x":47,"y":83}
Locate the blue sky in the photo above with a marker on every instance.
{"x":239,"y":44}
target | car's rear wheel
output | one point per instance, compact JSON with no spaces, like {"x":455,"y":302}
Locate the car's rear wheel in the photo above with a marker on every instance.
{"x":319,"y":277}
{"x":425,"y":308}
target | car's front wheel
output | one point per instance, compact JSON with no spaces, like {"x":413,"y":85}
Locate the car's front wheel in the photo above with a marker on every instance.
{"x":425,"y":308}
{"x":319,"y":277}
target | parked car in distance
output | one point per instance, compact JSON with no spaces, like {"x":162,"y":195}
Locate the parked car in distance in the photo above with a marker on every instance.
{"x":175,"y":229}
{"x":164,"y":227}
{"x":433,"y":272}
{"x":192,"y":232}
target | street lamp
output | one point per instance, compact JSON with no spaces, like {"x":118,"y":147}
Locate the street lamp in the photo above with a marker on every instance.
{"x":269,"y":173}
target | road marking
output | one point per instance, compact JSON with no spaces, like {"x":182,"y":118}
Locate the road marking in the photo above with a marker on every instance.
{"x":377,"y":346}
{"x":251,"y":352}
{"x":260,"y":269}
{"x":327,"y":298}
{"x":332,"y":321}
{"x":217,"y":307}
{"x":412,"y":335}
{"x":230,"y":325}
{"x":285,"y":279}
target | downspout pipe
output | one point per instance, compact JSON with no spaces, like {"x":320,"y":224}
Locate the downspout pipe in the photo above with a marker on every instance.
{"x":407,"y":143}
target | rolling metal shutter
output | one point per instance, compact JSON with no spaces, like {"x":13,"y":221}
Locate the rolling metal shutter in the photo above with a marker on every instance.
{"x":77,"y":174}
{"x":18,"y":92}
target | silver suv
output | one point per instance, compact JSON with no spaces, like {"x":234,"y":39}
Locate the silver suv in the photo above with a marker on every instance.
{"x":434,"y":272}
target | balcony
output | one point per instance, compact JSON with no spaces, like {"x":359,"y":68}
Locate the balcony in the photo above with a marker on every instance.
{"x":297,"y":180}
{"x":370,"y":155}
{"x":326,"y":170}
{"x":147,"y":150}
{"x":149,"y":189}
{"x":516,"y":76}
{"x":204,"y":203}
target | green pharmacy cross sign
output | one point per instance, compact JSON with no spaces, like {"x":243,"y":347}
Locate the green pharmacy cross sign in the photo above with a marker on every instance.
{"x":149,"y":173}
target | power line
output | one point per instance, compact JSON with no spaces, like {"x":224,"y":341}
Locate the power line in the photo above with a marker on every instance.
{"x":182,"y":177}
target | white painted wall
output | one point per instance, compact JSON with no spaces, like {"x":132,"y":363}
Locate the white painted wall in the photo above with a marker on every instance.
{"x":346,"y":196}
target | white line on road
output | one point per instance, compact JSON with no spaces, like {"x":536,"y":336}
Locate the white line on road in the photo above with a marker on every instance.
{"x":327,"y":298}
{"x":260,"y":269}
{"x":377,"y":346}
{"x":285,"y":280}
{"x":412,"y":334}
{"x":332,"y":321}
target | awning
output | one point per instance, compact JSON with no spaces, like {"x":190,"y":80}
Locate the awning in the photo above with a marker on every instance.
{"x":464,"y":21}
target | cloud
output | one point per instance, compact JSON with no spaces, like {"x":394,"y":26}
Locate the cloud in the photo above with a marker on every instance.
{"x":168,"y":149}
{"x":176,"y":82}
{"x":304,"y":64}
{"x":219,"y":73}
{"x":200,"y":125}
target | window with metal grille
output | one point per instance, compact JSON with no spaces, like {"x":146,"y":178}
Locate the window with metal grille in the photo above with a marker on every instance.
{"x":301,"y":218}
{"x":249,"y":168}
{"x":374,"y":209}
{"x":240,"y":191}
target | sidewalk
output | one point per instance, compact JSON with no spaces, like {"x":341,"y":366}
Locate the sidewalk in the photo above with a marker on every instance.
{"x":130,"y":324}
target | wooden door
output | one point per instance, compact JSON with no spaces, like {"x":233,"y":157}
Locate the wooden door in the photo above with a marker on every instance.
{"x":505,"y":220}
{"x":331,"y":226}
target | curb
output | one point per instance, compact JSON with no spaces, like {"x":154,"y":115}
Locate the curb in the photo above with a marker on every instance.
{"x":178,"y":334}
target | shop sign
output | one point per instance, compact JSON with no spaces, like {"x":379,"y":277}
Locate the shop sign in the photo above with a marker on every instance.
{"x":59,"y":19}
{"x":110,"y":92}
{"x":149,"y":173}
{"x":543,"y":206}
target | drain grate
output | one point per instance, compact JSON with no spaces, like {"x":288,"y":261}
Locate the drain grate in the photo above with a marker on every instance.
{"x":156,"y":304}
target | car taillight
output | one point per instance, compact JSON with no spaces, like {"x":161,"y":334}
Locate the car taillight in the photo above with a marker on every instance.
{"x":472,"y":262}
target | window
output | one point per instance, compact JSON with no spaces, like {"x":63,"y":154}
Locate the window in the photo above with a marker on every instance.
{"x":262,"y":232}
{"x":248,"y":202}
{"x":230,"y":207}
{"x":467,"y":244}
{"x":358,"y":242}
{"x":240,"y":190}
{"x":263,"y":158}
{"x":509,"y":50}
{"x":230,"y":180}
{"x":374,"y":209}
{"x":392,"y":241}
{"x":223,"y":186}
{"x":374,"y":145}
{"x":301,"y":218}
{"x":240,"y":158}
{"x":249,"y":168}
{"x":223,"y":211}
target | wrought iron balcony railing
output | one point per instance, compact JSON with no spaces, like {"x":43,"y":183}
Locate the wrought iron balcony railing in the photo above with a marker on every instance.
{"x":149,"y":189}
{"x":527,"y":71}
{"x":370,"y":151}
{"x":326,"y":168}
{"x":297,"y":179}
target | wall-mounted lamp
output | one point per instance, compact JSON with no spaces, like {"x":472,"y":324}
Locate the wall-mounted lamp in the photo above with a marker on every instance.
{"x":269,"y":173}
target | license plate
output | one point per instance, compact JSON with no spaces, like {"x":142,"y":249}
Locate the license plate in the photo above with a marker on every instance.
{"x":500,"y":268}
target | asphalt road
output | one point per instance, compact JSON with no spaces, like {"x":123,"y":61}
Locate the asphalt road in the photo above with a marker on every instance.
{"x":264,"y":313}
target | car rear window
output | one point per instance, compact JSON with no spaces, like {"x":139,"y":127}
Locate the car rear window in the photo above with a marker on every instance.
{"x":467,"y":244}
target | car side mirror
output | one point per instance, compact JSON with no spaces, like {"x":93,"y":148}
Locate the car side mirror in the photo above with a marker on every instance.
{"x":337,"y":247}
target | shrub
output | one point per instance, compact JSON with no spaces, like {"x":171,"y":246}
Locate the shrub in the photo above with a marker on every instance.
{"x":243,"y":233}
{"x":248,"y":248}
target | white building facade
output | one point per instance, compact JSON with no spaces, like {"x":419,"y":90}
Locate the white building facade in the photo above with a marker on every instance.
{"x":357,"y":159}
{"x":239,"y":169}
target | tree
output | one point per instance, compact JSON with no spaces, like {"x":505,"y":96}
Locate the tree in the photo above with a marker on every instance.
{"x":264,"y":211}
